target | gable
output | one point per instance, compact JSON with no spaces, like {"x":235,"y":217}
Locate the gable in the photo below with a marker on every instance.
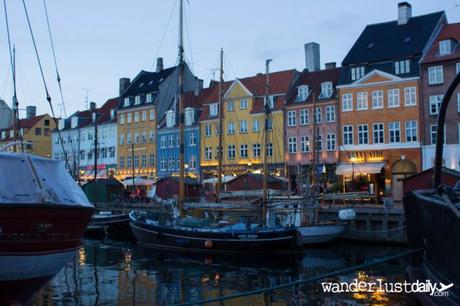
{"x":237,"y":90}
{"x":376,"y":76}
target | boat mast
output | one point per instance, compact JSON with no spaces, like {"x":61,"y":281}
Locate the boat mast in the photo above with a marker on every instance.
{"x":181,"y":113}
{"x":314,"y":165}
{"x":265,"y":146}
{"x":221,"y":112}
{"x":15,"y":105}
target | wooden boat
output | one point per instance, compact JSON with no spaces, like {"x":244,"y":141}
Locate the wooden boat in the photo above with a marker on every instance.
{"x":111,"y":223}
{"x":319,"y":233}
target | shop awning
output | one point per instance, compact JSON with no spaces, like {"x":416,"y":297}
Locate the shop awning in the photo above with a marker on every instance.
{"x":359,"y":168}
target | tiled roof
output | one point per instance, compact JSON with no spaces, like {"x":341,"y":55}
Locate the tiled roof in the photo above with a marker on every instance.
{"x":24,"y":124}
{"x":388,"y":40}
{"x":449,"y":31}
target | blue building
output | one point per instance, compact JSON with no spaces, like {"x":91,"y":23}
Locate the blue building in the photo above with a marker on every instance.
{"x":168,"y":139}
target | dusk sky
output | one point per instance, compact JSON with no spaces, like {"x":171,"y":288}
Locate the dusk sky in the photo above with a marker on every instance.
{"x":99,"y":41}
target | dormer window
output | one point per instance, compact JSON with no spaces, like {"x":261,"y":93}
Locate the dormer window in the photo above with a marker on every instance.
{"x":11,"y":133}
{"x":302,"y":93}
{"x":126,"y":102}
{"x":3,"y":134}
{"x":326,"y":90}
{"x":445,"y":47}
{"x":402,"y":66}
{"x":149,"y":98}
{"x":74,"y":122}
{"x":112,"y":114}
{"x":170,"y":119}
{"x":271,"y":102}
{"x":357,"y":72}
{"x":189,"y":116}
{"x":137,"y":100}
{"x":214,"y":109}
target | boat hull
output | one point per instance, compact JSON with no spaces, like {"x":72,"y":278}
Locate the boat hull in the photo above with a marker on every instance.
{"x":320,"y":234}
{"x":115,"y":225}
{"x":241,"y":242}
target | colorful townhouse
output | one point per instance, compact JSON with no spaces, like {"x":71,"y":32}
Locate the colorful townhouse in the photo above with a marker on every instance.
{"x":78,"y":134}
{"x":168,"y":139}
{"x":439,"y":66}
{"x":35,"y":131}
{"x":243,"y":119}
{"x":379,"y":102}
{"x":312,"y":106}
{"x":143,"y":103}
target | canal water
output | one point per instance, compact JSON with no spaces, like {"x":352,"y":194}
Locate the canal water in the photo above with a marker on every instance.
{"x":107,"y":272}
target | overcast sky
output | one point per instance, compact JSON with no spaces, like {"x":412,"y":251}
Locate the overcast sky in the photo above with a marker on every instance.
{"x":99,"y":41}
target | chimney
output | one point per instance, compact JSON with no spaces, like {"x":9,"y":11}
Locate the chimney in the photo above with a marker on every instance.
{"x":31,"y":111}
{"x":198,"y":86}
{"x":92,"y":106}
{"x":404,"y":12}
{"x":124,"y":83}
{"x":312,"y":56}
{"x":159,"y":64}
{"x":330,"y":65}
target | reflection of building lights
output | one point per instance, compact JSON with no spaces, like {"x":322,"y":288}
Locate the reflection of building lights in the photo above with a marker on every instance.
{"x":128,"y":259}
{"x":81,"y":256}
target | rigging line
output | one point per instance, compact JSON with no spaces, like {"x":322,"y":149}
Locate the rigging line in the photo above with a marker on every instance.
{"x":58,"y":77}
{"x":13,"y":72}
{"x":48,"y":97}
{"x":164,"y":33}
{"x":189,"y":40}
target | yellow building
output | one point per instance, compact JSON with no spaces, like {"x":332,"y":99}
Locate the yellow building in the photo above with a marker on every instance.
{"x":36,"y":135}
{"x":243,"y":125}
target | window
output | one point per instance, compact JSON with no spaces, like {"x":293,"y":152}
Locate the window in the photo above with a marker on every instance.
{"x":122,"y":161}
{"x":192,"y":162}
{"x":144,"y":160}
{"x":326,"y":90}
{"x":304,"y":144}
{"x":269,"y":150}
{"x":377,"y":99}
{"x":435,"y":104}
{"x":46,"y":131}
{"x":170,"y":120}
{"x":457,"y":68}
{"x":144,"y":115}
{"x":347,"y":102}
{"x":137,"y":100}
{"x":357,"y":73}
{"x":445,"y":47}
{"x":292,"y":144}
{"x":126,"y":102}
{"x":136,"y":137}
{"x":304,"y":117}
{"x":151,"y":135}
{"x":395,"y":132}
{"x":244,"y":151}
{"x":152,"y":115}
{"x":149,"y":98}
{"x":207,"y":130}
{"x":458,"y":102}
{"x":128,"y":138}
{"x":163,"y":142}
{"x":163,"y":164}
{"x":144,"y":137}
{"x":378,"y":129}
{"x":318,"y":115}
{"x":361,"y":101}
{"x":409,"y":96}
{"x":302,"y":93}
{"x":393,"y":97}
{"x":319,"y":143}
{"x":347,"y":134}
{"x":231,"y":152}
{"x":192,"y":139}
{"x":230,"y":128}
{"x":214,"y":109}
{"x":151,"y":160}
{"x":172,"y":141}
{"x":128,"y":162}
{"x":38,"y":131}
{"x":255,"y":125}
{"x":230,"y":106}
{"x":433,"y":134}
{"x":122,"y":119}
{"x":112,"y":152}
{"x":411,"y":131}
{"x":243,"y":104}
{"x":130,"y":117}
{"x":268,"y":124}
{"x":330,"y":113}
{"x":171,"y":163}
{"x":435,"y":75}
{"x":243,"y":126}
{"x":291,"y":118}
{"x":363,"y":134}
{"x":256,"y":150}
{"x":402,"y":67}
{"x":330,"y":142}
{"x":122,"y":139}
{"x":271,"y":102}
{"x":208,"y":153}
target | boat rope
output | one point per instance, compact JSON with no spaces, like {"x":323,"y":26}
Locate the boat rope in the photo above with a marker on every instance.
{"x":58,"y":76}
{"x":13,"y":72}
{"x":48,"y":97}
{"x":303,"y":281}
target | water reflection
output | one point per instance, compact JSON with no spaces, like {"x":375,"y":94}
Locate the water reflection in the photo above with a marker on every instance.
{"x":108,"y":273}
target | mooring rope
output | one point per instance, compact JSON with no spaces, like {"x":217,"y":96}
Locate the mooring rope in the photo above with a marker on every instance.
{"x":302,"y":281}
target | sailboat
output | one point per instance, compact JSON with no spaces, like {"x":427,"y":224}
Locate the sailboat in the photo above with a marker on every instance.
{"x":177,"y":232}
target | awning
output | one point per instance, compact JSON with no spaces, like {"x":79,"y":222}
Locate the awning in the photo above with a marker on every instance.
{"x":359,"y":168}
{"x":225,"y":179}
{"x":138,"y":181}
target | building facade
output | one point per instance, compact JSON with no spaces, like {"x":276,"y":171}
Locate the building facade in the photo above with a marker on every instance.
{"x":6,"y":115}
{"x":244,"y":111}
{"x":78,"y":134}
{"x":380,"y":98}
{"x":439,"y":66}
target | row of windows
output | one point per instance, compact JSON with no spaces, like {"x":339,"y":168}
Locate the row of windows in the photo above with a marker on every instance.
{"x":172,"y":164}
{"x":304,"y":116}
{"x":138,"y":116}
{"x":128,"y":101}
{"x":378,"y":133}
{"x":143,"y":161}
{"x":243,"y":127}
{"x":436,"y":74}
{"x":376,"y":96}
{"x":103,"y":133}
{"x":243,"y":151}
{"x":304,"y":90}
{"x":137,"y":137}
{"x":172,"y":141}
{"x":104,"y":152}
{"x":305,"y":143}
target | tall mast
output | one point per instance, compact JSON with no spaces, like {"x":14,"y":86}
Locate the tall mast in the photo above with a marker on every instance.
{"x":221,"y":111}
{"x":181,"y":113}
{"x":314,"y":145}
{"x":15,"y":105}
{"x":265,"y":146}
